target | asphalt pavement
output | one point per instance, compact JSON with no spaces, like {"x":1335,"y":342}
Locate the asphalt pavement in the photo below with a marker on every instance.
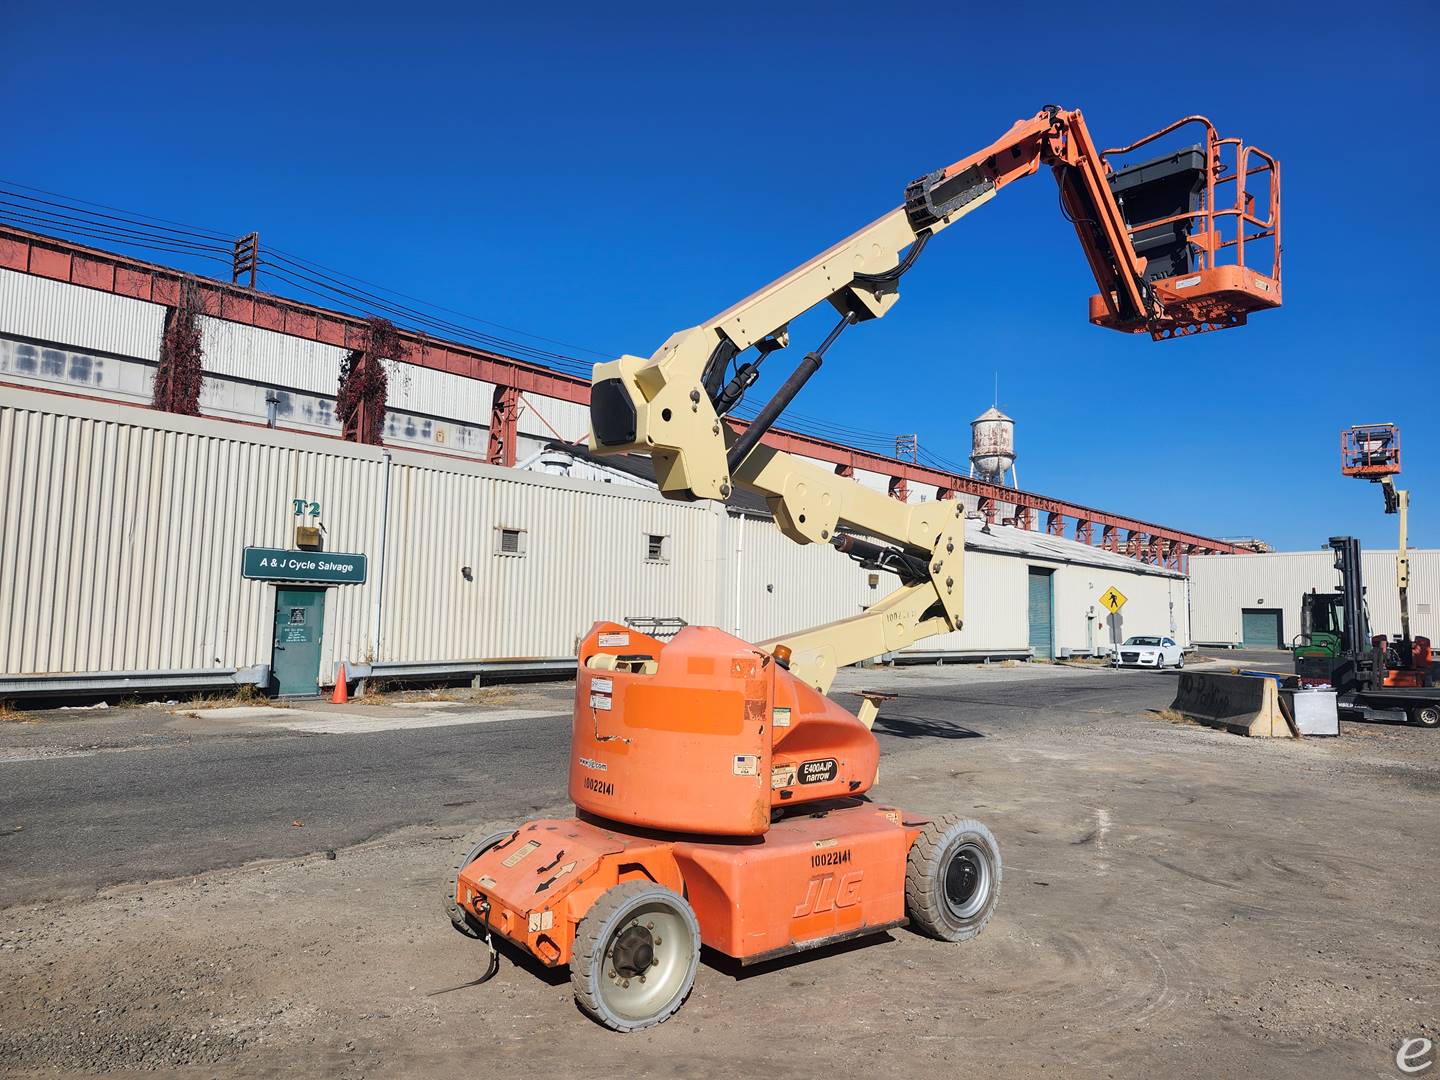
{"x":1252,"y":659}
{"x":90,"y":800}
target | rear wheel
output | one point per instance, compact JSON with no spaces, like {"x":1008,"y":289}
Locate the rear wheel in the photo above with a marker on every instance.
{"x":635,"y":956}
{"x":952,"y":879}
{"x":461,"y":919}
{"x":1426,"y":715}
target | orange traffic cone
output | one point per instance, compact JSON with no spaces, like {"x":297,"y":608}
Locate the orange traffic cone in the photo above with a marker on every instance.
{"x":342,"y":691}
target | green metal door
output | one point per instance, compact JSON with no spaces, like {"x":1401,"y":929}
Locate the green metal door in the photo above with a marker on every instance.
{"x":299,"y":628}
{"x":1042,"y":622}
{"x":1260,"y":628}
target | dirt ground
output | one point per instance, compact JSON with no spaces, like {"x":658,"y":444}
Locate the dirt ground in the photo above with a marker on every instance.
{"x":1176,"y":902}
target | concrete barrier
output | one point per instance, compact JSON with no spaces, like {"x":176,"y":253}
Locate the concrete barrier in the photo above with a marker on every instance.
{"x":1244,"y":704}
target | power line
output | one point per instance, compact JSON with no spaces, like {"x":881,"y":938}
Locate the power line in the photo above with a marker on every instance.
{"x":198,"y":230}
{"x":416,"y":320}
{"x":69,"y":216}
{"x":94,"y":233}
{"x":285,"y":256}
{"x":443,"y":324}
{"x":314,"y":284}
{"x":40,"y":214}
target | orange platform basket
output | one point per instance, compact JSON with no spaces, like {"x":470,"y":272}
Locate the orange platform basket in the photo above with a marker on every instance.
{"x":1205,"y":220}
{"x":1370,"y":450}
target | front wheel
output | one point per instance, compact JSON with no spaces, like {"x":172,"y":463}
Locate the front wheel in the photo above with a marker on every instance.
{"x":952,"y":879}
{"x":1427,"y":716}
{"x":1180,"y":661}
{"x":635,"y":956}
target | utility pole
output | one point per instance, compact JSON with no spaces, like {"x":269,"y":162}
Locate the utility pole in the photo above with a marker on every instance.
{"x":247,"y":259}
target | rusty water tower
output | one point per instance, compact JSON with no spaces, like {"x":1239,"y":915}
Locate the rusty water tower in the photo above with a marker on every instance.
{"x":992,"y":447}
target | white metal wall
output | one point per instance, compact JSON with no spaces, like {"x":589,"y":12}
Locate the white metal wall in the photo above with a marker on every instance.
{"x":995,"y":608}
{"x":121,"y":539}
{"x":93,"y":342}
{"x":1221,"y":585}
{"x":584,"y":559}
{"x":123,"y":530}
{"x":1153,"y":605}
{"x":56,"y":311}
{"x":268,"y":356}
{"x":231,"y":397}
{"x":782,"y":586}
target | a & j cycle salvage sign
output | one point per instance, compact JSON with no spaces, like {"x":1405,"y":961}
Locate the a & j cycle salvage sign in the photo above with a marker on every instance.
{"x":311,"y":567}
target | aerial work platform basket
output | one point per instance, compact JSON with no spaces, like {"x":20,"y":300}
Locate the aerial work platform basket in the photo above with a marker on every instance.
{"x":1205,"y":219}
{"x":1370,"y":450}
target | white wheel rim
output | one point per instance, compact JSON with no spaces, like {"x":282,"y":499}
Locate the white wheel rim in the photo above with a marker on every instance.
{"x":966,"y":881}
{"x":645,"y":960}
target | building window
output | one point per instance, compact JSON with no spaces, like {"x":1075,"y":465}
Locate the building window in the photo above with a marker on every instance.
{"x":657,"y":548}
{"x":509,"y":541}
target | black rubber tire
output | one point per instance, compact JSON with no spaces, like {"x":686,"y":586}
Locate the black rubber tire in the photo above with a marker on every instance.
{"x":592,"y":935}
{"x":461,"y":919}
{"x":1427,"y":716}
{"x":1180,"y":663}
{"x":925,"y":878}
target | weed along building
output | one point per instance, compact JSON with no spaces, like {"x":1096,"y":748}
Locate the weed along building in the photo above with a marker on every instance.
{"x":145,"y":550}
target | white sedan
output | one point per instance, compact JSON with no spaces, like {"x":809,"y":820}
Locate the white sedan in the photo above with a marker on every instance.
{"x":1151,"y":652}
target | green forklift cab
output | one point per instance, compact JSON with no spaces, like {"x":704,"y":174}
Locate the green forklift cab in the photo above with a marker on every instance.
{"x":1322,"y":625}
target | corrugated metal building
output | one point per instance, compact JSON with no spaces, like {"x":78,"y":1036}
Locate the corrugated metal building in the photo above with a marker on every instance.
{"x":123,"y":530}
{"x":1254,"y":600}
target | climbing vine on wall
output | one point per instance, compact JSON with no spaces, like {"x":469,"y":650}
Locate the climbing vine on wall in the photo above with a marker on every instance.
{"x":180,"y":375}
{"x":364,"y":384}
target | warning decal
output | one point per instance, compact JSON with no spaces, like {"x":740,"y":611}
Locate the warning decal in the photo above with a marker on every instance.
{"x":519,"y":853}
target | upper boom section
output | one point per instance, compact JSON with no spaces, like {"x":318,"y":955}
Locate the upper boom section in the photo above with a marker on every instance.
{"x":1153,"y":234}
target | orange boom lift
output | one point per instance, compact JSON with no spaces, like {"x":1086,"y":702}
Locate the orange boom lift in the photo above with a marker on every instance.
{"x":720,"y":795}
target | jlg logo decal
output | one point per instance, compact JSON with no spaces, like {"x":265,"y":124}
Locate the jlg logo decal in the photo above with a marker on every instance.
{"x":825,"y":892}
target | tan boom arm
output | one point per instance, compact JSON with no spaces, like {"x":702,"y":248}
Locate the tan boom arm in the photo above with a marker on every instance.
{"x":672,"y":405}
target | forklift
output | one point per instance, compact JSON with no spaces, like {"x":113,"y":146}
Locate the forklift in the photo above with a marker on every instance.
{"x":1373,"y":677}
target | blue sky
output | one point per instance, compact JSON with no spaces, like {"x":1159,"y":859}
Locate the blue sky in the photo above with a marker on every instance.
{"x":606,"y":174}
